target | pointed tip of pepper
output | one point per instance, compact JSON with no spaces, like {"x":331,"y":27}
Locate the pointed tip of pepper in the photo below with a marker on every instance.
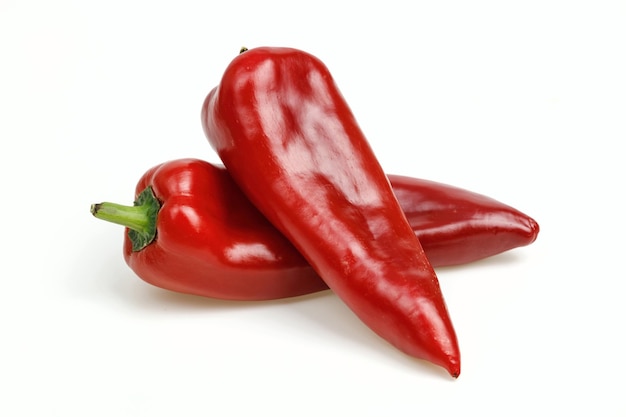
{"x":454,"y":369}
{"x":451,"y":364}
{"x":447,"y":353}
{"x":436,"y":339}
{"x":448,"y":358}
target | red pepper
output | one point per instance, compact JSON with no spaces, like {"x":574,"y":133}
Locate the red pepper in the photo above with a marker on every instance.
{"x":290,"y":141}
{"x":192,"y":230}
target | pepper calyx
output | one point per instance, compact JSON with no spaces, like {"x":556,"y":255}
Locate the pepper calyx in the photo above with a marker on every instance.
{"x":140,"y":218}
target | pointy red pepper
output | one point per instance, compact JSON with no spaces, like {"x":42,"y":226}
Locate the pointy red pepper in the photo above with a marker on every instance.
{"x":192,"y":230}
{"x":290,"y":141}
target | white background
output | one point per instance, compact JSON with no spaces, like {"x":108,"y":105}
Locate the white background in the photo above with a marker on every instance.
{"x":522,"y":101}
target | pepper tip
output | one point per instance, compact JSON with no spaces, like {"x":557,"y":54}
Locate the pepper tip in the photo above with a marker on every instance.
{"x":455,"y":371}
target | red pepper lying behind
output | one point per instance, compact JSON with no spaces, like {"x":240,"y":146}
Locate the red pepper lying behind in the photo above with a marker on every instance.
{"x":196,"y":233}
{"x":456,"y":226}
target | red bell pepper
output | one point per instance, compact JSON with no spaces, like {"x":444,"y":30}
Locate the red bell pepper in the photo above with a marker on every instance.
{"x":191,"y":230}
{"x":290,"y":141}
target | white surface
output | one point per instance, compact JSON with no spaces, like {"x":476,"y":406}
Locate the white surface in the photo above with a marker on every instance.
{"x":522,"y":101}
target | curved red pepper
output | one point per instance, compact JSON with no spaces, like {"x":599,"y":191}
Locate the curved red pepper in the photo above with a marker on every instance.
{"x":292,"y":144}
{"x":202,"y":236}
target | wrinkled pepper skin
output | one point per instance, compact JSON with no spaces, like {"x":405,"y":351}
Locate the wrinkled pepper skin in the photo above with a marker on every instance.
{"x":290,"y":141}
{"x":215,"y":243}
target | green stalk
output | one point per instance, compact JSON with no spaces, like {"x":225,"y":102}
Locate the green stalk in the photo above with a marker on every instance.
{"x":140,"y":218}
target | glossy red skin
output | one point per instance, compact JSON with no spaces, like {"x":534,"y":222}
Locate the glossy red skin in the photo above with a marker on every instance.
{"x":209,"y":216}
{"x":211,"y":241}
{"x":292,"y":144}
{"x":456,"y":226}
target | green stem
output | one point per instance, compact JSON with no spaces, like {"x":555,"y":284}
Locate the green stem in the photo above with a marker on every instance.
{"x":140,"y":218}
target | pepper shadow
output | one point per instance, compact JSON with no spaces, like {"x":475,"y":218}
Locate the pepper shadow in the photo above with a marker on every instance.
{"x":332,"y":323}
{"x":104,"y":277}
{"x":502,"y":259}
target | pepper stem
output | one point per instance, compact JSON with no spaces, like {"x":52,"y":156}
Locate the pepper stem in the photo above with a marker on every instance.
{"x":140,"y":218}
